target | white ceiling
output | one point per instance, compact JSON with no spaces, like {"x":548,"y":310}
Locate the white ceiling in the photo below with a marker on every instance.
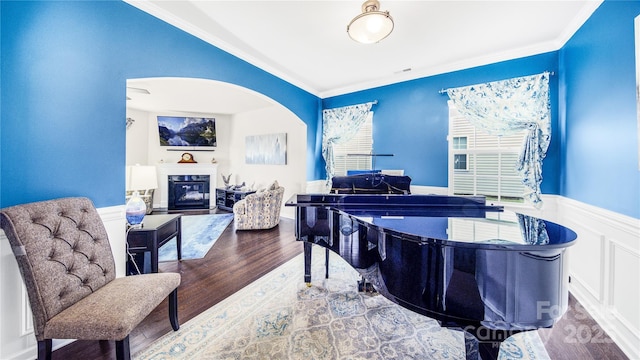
{"x":174,"y":96}
{"x":305,"y":42}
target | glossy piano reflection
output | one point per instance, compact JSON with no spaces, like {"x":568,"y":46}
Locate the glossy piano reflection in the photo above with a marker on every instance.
{"x":488,"y":271}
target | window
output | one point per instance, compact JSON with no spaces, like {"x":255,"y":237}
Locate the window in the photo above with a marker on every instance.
{"x":460,"y":160}
{"x":361,"y":143}
{"x":483,"y":164}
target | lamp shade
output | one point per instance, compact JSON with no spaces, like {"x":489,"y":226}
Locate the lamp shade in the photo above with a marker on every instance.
{"x":372,"y":25}
{"x":141,"y":177}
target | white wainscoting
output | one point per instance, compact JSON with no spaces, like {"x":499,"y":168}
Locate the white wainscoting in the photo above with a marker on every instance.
{"x":17,"y":341}
{"x":604,"y":268}
{"x":317,"y":187}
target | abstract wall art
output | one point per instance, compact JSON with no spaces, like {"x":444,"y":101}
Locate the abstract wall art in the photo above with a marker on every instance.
{"x":269,"y":149}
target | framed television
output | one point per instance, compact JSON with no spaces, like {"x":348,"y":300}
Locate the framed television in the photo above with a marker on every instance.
{"x":181,"y":131}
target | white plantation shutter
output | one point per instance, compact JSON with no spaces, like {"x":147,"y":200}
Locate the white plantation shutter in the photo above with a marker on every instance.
{"x":361,"y":143}
{"x":491,"y":162}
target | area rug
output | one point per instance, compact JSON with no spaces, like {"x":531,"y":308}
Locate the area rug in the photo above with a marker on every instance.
{"x":199,"y":233}
{"x":279,"y":317}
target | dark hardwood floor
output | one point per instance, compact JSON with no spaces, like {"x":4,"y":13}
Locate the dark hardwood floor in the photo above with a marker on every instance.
{"x":239,"y":258}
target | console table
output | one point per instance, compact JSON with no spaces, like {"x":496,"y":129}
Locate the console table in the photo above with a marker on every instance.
{"x":156,"y":231}
{"x":226,"y":198}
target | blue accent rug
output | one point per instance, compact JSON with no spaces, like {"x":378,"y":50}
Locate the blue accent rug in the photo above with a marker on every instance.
{"x":199,"y":233}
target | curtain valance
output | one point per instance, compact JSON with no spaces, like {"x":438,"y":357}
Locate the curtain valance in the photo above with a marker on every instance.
{"x":509,"y":106}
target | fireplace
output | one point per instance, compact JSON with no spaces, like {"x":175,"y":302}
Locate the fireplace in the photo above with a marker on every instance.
{"x":165,"y":170}
{"x":188,"y":192}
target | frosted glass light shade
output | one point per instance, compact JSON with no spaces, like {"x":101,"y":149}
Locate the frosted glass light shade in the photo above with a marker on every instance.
{"x":372,"y":25}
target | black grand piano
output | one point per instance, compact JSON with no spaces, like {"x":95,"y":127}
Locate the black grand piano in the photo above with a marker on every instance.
{"x":489,"y":272}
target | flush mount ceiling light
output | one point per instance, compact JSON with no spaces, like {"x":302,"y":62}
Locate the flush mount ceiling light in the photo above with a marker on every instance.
{"x":372,"y":25}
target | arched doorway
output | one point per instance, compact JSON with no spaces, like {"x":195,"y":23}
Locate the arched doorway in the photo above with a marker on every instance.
{"x":239,"y":112}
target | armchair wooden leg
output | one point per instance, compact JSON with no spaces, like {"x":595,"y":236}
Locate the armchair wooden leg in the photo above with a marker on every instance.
{"x":44,"y":349}
{"x":173,"y":309}
{"x":122,"y":349}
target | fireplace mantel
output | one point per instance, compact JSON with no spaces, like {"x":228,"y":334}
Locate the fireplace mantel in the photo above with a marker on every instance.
{"x":161,"y":199}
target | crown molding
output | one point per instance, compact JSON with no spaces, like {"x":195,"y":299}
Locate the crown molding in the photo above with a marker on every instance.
{"x":553,"y":45}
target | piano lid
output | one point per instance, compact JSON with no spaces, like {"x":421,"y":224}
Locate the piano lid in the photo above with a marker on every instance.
{"x":446,"y":220}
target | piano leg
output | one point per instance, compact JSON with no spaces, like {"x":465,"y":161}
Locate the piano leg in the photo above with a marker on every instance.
{"x":480,"y":350}
{"x":326,"y":263}
{"x":365,"y":286}
{"x":484,"y":344}
{"x":489,"y":350}
{"x":308,"y":248}
{"x":307,"y":262}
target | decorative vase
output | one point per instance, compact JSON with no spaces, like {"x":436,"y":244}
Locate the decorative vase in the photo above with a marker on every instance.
{"x":135,"y":209}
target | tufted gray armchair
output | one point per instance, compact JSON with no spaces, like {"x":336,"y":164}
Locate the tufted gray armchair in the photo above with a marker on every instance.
{"x":65,"y":259}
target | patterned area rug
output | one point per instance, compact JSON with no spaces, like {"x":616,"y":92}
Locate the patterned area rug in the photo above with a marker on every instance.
{"x":279,"y":317}
{"x":199,"y":233}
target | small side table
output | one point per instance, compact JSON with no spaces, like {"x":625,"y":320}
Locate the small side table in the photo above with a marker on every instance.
{"x":226,"y":198}
{"x":156,"y":231}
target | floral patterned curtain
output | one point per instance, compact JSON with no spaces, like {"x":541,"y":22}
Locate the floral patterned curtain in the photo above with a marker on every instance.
{"x":340,"y":125}
{"x":510,"y":106}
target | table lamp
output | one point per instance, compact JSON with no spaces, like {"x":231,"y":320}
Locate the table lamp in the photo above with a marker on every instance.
{"x":143,"y":180}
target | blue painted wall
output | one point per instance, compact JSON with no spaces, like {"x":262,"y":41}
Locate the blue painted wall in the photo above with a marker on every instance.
{"x":593,"y":156}
{"x":600,"y":164}
{"x":65,"y":65}
{"x":411,"y":119}
{"x":64,"y":71}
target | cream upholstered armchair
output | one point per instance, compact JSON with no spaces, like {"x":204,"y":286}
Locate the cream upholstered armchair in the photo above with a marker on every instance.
{"x":65,"y":259}
{"x":260,"y":210}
